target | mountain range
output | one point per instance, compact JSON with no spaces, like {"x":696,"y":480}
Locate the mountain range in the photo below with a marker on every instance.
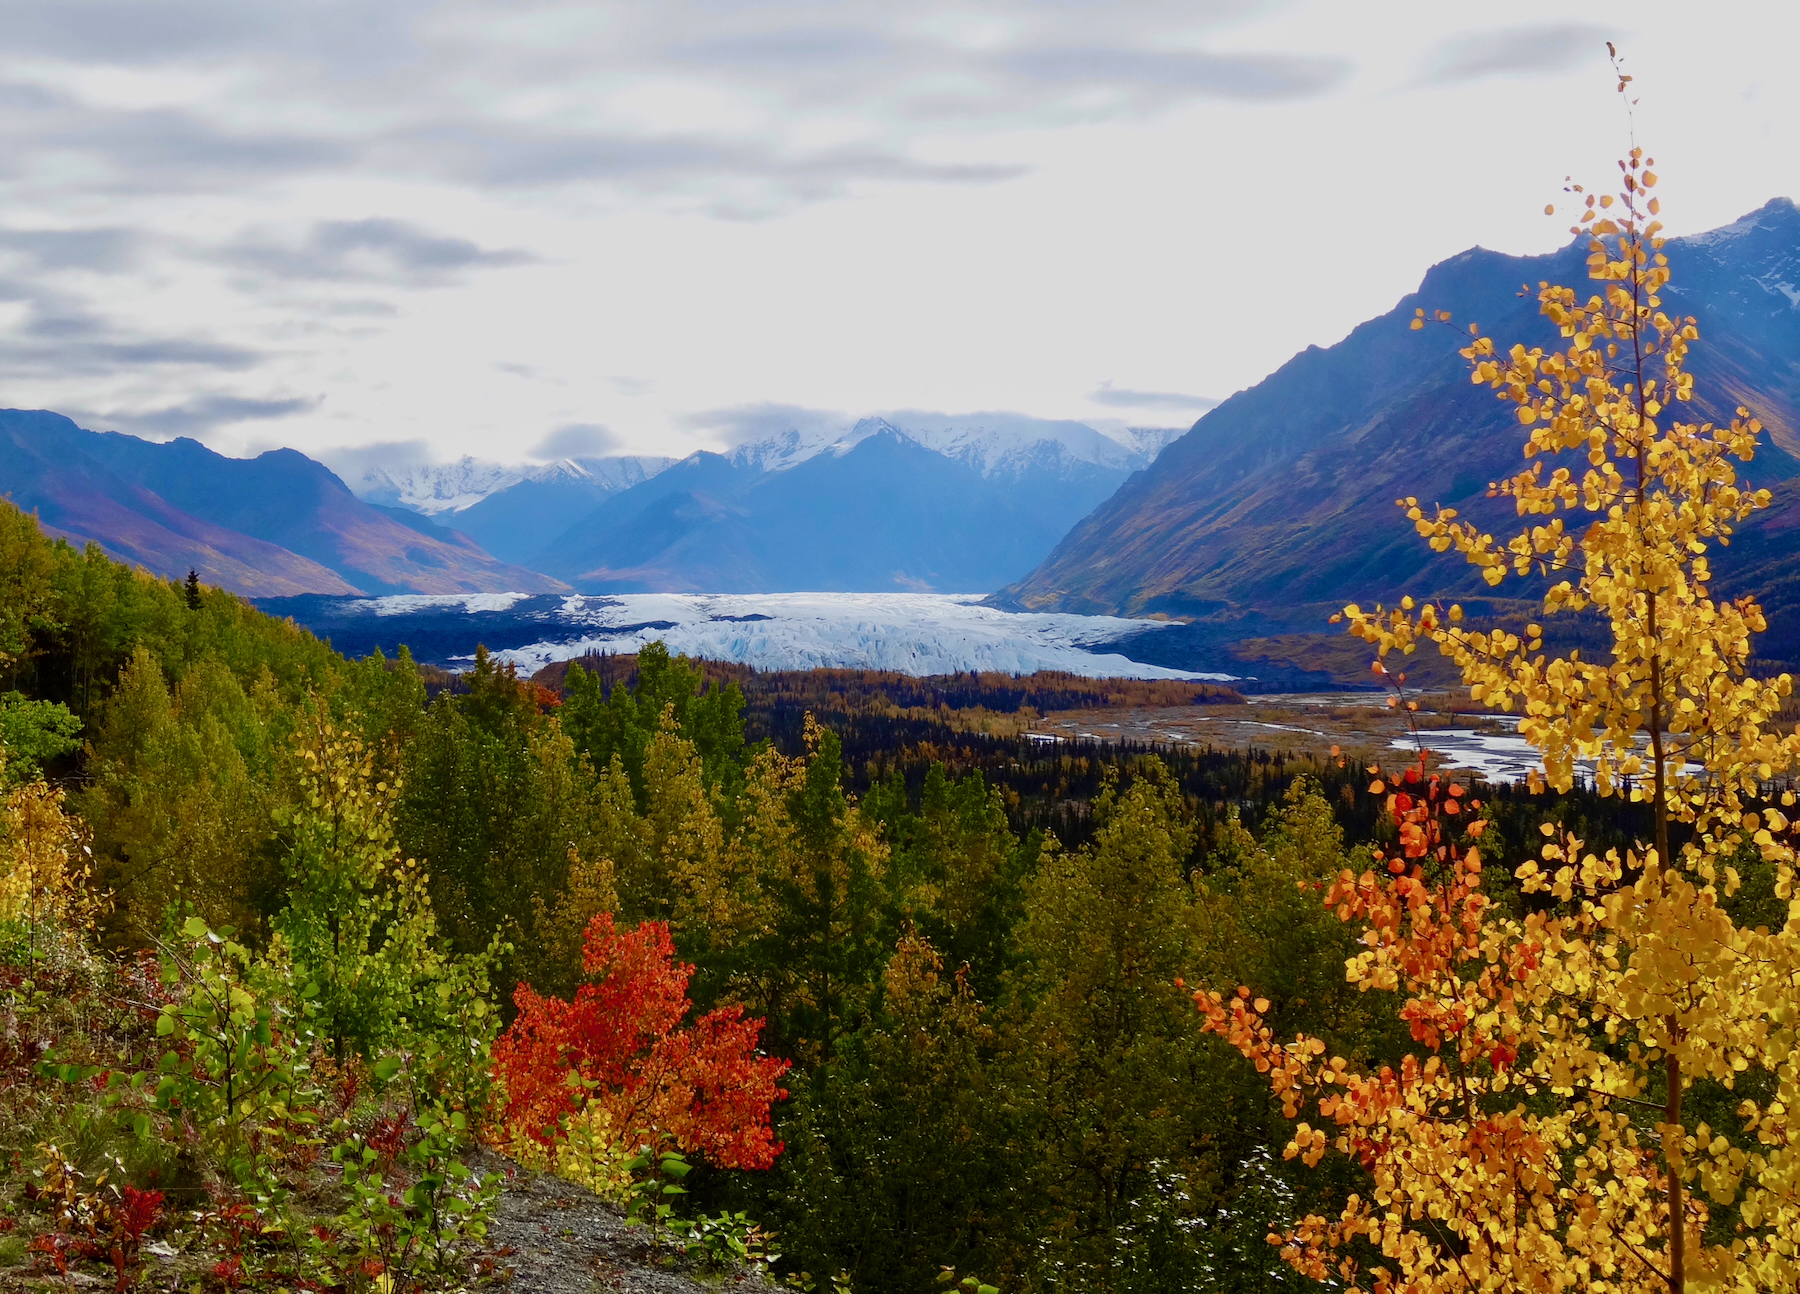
{"x":514,"y":513}
{"x":936,"y":503}
{"x":275,"y":525}
{"x":917,"y":501}
{"x":1251,"y":527}
{"x":1278,"y":506}
{"x":947,"y":506}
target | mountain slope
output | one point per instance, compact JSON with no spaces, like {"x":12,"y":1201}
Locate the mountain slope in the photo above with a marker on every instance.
{"x":517,"y":522}
{"x":1279,"y":503}
{"x":873,"y":510}
{"x":45,"y":468}
{"x":277,"y":524}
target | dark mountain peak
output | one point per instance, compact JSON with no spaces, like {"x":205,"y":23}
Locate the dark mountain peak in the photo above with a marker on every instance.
{"x":292,"y":460}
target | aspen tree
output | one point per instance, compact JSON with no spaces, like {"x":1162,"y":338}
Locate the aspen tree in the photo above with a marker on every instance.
{"x":1541,"y":1138}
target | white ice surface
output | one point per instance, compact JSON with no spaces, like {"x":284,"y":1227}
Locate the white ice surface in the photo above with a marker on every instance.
{"x":401,"y":604}
{"x":910,"y":633}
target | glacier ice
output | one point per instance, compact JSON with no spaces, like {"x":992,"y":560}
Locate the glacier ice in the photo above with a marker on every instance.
{"x":910,"y":633}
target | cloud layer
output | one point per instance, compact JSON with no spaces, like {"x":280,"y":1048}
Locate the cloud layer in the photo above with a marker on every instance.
{"x":532,"y":230}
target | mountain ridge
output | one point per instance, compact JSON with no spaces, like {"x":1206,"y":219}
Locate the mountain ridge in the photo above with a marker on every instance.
{"x":872,"y":509}
{"x":278,"y":524}
{"x":1279,"y":502}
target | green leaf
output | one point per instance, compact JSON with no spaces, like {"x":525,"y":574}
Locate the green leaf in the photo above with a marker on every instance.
{"x":385,"y":1068}
{"x":195,"y":928}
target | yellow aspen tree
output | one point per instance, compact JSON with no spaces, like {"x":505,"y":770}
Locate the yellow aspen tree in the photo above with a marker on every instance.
{"x":1538,"y":1138}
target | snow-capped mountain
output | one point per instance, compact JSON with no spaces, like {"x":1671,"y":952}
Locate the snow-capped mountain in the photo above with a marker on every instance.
{"x":435,"y":488}
{"x":905,"y":500}
{"x":915,"y":502}
{"x":431,"y":488}
{"x":1008,"y":444}
{"x":993,"y":444}
{"x":1148,"y":441}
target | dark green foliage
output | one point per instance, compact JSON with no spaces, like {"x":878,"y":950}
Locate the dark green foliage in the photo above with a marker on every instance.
{"x":604,"y":721}
{"x":33,"y":733}
{"x":499,"y":805}
{"x":956,"y":868}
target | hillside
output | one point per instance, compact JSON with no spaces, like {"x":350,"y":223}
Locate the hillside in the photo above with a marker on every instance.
{"x":1279,"y":505}
{"x":276,"y":525}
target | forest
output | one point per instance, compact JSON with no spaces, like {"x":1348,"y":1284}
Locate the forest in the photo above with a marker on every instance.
{"x":958,"y":957}
{"x":841,"y":978}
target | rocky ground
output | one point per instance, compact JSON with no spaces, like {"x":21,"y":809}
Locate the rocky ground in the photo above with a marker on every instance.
{"x":557,"y":1238}
{"x":547,"y":1236}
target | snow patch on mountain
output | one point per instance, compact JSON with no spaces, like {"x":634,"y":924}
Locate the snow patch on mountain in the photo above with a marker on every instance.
{"x":435,"y":488}
{"x":911,"y":633}
{"x":1771,"y":215}
{"x":1148,"y":441}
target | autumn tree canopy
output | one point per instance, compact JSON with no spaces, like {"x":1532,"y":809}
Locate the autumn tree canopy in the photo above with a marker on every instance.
{"x":1603,"y":1071}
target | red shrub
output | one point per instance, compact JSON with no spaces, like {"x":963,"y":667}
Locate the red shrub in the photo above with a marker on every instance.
{"x":617,"y":1043}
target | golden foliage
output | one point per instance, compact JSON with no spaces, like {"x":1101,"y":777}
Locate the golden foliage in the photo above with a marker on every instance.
{"x":43,"y":863}
{"x":1551,"y":1133}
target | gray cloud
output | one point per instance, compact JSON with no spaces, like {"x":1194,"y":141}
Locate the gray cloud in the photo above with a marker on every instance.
{"x":366,"y":250}
{"x":203,"y":414}
{"x":740,"y":424}
{"x":353,"y":462}
{"x":1195,"y":72}
{"x":129,"y":33}
{"x":1515,"y":50}
{"x":1121,"y":398}
{"x":105,"y":251}
{"x":784,"y":49}
{"x":157,"y":150}
{"x":577,"y":440}
{"x":428,"y":90}
{"x":61,"y":335}
{"x":507,"y":155}
{"x":88,"y":357}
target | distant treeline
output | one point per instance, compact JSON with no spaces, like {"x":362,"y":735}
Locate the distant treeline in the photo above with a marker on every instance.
{"x":870,"y":691}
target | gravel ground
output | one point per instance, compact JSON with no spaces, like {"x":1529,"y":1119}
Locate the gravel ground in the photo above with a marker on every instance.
{"x":566,"y":1240}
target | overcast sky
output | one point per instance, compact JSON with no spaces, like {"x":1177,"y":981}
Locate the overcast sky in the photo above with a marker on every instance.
{"x":534,"y":228}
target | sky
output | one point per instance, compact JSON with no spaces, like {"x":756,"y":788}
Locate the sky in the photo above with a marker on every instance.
{"x":403,"y":231}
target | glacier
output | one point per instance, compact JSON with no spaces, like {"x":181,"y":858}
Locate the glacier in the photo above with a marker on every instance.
{"x":909,"y":633}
